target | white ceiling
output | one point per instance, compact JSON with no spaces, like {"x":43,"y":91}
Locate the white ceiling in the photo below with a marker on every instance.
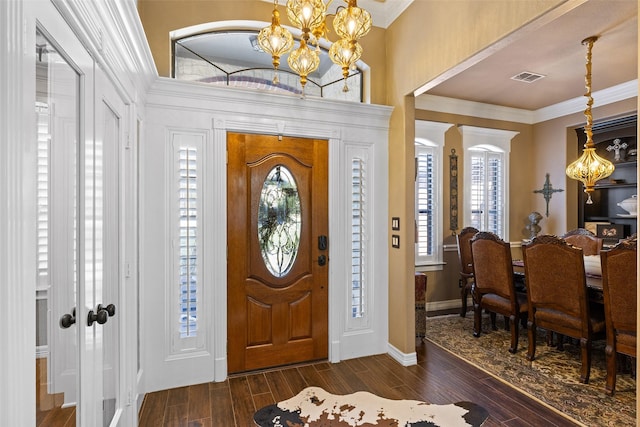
{"x":551,"y":46}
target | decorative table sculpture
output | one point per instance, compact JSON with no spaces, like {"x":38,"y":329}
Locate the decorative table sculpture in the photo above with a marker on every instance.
{"x":533,"y":227}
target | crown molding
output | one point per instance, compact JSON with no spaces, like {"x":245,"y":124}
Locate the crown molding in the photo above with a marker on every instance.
{"x":602,"y":97}
{"x":471,"y":108}
{"x":496,"y":112}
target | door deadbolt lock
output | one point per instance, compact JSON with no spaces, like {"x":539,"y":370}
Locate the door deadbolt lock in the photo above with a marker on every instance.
{"x":322,"y":243}
{"x":322,"y":260}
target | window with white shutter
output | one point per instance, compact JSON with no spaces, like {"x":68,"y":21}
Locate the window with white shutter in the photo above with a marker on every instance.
{"x":486,"y":184}
{"x":426,"y":202}
{"x":429,"y":145}
{"x":188,"y":240}
{"x":358,"y":227}
{"x":487,"y":191}
{"x":42,"y":201}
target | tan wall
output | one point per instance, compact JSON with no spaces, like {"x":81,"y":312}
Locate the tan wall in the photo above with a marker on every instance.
{"x":443,"y":285}
{"x":159,"y":17}
{"x":427,"y":40}
{"x":556,"y":145}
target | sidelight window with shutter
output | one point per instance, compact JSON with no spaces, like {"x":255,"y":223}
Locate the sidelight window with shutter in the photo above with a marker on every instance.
{"x":44,"y":143}
{"x":187,"y":244}
{"x":358,"y":199}
{"x":358,"y":238}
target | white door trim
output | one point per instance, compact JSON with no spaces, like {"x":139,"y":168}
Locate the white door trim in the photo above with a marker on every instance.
{"x":175,"y":103}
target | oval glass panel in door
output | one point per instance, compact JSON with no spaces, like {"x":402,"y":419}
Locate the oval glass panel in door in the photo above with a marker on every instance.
{"x":279,"y":221}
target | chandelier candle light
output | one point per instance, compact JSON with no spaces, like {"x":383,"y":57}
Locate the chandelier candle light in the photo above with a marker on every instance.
{"x":350,"y":23}
{"x":590,"y":167}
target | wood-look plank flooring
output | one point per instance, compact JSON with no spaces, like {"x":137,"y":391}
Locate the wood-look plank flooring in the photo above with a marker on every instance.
{"x":49,"y":410}
{"x":438,"y":378}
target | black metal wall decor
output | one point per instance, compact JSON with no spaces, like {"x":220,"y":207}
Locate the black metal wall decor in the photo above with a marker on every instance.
{"x":547,"y":191}
{"x":453,"y":191}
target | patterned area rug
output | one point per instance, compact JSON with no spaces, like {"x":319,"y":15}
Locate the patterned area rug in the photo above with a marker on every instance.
{"x":314,"y":407}
{"x":553,"y":378}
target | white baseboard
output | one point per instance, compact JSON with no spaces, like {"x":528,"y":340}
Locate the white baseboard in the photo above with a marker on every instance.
{"x":405,"y":359}
{"x":447,"y":305}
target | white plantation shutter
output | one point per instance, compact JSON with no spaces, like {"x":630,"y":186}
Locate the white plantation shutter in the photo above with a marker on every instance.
{"x":185,"y":293}
{"x":487,"y":191}
{"x":426,"y":202}
{"x":42,"y":225}
{"x":486,"y":184}
{"x":429,"y":214}
{"x":188,"y":240}
{"x":358,"y":227}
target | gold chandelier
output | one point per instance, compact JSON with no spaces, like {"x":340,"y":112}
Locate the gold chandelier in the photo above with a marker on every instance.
{"x":350,"y":23}
{"x":590,"y":167}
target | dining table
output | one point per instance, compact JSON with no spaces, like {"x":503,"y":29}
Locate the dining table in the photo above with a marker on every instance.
{"x":593,"y":279}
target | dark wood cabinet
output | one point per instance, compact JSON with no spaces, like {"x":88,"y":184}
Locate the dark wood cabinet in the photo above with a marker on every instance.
{"x":622,"y":184}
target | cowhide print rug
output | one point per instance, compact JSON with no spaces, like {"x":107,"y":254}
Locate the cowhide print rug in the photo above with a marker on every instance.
{"x":314,"y":407}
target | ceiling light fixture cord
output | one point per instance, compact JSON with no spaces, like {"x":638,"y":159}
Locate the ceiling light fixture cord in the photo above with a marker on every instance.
{"x":590,"y":167}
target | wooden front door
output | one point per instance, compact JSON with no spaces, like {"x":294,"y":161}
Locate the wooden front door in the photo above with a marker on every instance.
{"x":277,"y":251}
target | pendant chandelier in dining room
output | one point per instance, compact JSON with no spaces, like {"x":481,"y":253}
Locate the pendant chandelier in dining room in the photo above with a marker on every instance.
{"x":350,"y":23}
{"x":589,"y":167}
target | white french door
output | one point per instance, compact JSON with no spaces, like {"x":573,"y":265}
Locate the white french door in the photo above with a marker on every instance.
{"x":81,"y":127}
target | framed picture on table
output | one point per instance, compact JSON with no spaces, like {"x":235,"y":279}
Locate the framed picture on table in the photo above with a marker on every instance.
{"x":592,"y":226}
{"x":611,"y":233}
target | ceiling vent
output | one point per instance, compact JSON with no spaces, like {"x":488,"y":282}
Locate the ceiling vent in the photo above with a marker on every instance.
{"x":527,"y":77}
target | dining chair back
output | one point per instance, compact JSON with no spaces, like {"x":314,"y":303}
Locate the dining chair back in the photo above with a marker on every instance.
{"x":466,"y":262}
{"x":493,"y":286}
{"x":584,"y":239}
{"x":619,"y":276}
{"x":557,"y":296}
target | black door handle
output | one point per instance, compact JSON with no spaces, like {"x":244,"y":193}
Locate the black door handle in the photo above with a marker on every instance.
{"x":322,"y":260}
{"x":101,"y":314}
{"x":111,"y":309}
{"x":68,"y":319}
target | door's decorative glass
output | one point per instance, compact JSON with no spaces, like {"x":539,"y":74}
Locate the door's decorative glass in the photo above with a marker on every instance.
{"x":279,"y":221}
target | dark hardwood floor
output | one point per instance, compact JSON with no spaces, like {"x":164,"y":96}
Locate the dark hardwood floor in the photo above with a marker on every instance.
{"x":49,"y":410}
{"x":437,"y":378}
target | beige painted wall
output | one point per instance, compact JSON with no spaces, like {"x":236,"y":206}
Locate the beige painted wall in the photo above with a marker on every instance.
{"x":443,"y":285}
{"x":429,"y":38}
{"x":159,"y":17}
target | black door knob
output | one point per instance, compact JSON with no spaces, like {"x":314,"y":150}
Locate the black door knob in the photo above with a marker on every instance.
{"x":101,"y":316}
{"x":111,"y":309}
{"x":68,"y":319}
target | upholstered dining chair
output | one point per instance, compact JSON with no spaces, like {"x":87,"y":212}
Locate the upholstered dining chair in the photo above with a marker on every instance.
{"x":619,"y":275}
{"x":466,"y":265}
{"x":584,"y":239}
{"x":557,"y":296}
{"x":493,"y":286}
